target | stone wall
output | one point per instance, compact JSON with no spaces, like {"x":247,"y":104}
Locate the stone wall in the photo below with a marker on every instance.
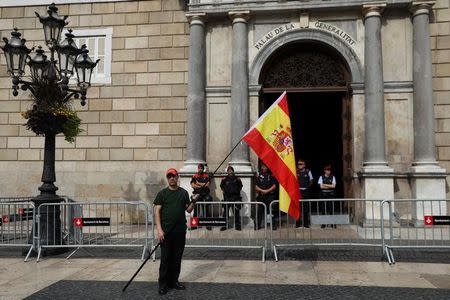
{"x":440,"y":45}
{"x":134,"y":128}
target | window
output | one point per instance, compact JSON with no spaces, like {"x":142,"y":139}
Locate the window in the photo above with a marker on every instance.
{"x":99,"y":44}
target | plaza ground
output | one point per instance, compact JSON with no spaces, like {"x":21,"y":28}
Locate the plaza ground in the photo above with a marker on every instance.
{"x":103,"y":278}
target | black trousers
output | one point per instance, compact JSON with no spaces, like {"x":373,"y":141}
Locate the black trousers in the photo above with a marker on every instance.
{"x":203,"y":210}
{"x":328,"y":207}
{"x":260,"y":217}
{"x":171,"y":253}
{"x":235,"y":208}
{"x":305,"y":217}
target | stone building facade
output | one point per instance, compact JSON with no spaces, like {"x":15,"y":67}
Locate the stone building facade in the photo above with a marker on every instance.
{"x":188,"y":79}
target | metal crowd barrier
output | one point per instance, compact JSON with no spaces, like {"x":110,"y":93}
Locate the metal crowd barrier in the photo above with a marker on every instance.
{"x":416,"y":224}
{"x":27,"y":199}
{"x":15,"y":199}
{"x":16,"y":225}
{"x":328,"y":222}
{"x":93,"y":224}
{"x":209,"y":226}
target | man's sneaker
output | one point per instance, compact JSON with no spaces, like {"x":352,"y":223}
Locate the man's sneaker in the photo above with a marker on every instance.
{"x":223,"y":228}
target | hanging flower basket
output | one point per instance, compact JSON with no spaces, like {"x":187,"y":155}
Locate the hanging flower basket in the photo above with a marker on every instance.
{"x":53,"y":120}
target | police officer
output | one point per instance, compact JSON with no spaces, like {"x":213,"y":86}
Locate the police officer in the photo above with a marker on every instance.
{"x":305,"y":180}
{"x":231,"y":186}
{"x":266,"y":186}
{"x":327,"y":185}
{"x":200,"y":183}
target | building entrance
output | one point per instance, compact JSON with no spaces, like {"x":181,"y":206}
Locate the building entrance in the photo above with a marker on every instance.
{"x":316,"y":79}
{"x":317,"y":129}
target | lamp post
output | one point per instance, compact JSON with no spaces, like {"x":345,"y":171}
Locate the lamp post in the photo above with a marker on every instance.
{"x":48,"y":83}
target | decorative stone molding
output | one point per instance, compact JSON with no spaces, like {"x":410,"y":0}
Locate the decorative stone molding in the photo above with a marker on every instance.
{"x":239,"y":16}
{"x":304,"y":19}
{"x":196,"y":18}
{"x":373,"y":9}
{"x":421,"y":7}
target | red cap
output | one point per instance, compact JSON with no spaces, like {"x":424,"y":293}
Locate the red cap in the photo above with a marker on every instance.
{"x":172,"y":171}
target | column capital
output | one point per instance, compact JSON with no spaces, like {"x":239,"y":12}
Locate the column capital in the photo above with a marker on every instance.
{"x":196,"y":18}
{"x":241,"y":16}
{"x":373,"y":9}
{"x":421,"y":7}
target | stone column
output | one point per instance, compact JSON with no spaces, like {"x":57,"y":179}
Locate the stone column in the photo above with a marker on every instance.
{"x":378,"y":180}
{"x":424,"y":132}
{"x":239,"y":107}
{"x":428,"y":179}
{"x":239,"y":91}
{"x":196,"y":100}
{"x":374,"y":152}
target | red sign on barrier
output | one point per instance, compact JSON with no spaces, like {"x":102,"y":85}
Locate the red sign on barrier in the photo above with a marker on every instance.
{"x":194,"y":222}
{"x":436,"y":220}
{"x":78,"y":222}
{"x":5,"y":219}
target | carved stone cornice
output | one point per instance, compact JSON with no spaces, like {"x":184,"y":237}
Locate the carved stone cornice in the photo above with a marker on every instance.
{"x":421,"y":7}
{"x":196,"y":18}
{"x":239,"y":16}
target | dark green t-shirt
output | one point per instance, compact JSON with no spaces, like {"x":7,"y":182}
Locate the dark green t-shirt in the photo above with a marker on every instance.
{"x":173,"y":206}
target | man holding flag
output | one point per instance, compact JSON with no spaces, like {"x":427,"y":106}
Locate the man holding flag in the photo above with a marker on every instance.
{"x":271,"y":139}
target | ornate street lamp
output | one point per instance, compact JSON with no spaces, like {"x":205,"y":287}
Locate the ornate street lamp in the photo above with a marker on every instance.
{"x":48,"y":83}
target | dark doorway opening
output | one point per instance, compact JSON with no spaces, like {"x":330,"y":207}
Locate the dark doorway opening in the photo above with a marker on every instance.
{"x":317,"y":130}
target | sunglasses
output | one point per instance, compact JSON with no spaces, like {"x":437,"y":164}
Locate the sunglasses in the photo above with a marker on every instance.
{"x":170,"y":175}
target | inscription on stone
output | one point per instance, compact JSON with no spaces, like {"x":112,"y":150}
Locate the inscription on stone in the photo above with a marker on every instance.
{"x":287,"y":27}
{"x":273,"y":33}
{"x":335,"y":30}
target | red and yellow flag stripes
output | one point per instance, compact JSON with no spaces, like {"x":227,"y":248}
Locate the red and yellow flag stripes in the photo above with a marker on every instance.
{"x":271,"y":139}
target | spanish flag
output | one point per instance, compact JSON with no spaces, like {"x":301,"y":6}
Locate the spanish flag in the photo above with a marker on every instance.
{"x":271,"y":139}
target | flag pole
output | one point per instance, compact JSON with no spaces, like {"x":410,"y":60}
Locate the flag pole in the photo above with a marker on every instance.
{"x":235,"y":146}
{"x":157,"y":245}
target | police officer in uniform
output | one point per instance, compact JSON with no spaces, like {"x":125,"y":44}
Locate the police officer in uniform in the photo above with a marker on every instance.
{"x":266,"y":186}
{"x":305,"y":180}
{"x":327,"y":184}
{"x":200,"y":183}
{"x":231,"y":186}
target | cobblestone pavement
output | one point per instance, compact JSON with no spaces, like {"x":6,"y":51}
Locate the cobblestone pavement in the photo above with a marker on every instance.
{"x":142,"y":290}
{"x":308,"y":273}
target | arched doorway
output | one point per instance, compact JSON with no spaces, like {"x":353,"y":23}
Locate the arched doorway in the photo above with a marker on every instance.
{"x":317,"y":80}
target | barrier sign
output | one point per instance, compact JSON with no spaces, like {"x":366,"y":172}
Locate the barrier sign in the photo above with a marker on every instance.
{"x":80,"y":222}
{"x":24,"y":214}
{"x":218,"y":222}
{"x":436,"y":220}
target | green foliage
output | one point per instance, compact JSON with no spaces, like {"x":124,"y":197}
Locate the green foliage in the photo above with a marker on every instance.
{"x":54,"y":120}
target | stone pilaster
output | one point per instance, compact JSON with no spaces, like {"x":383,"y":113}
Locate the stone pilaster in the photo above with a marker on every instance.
{"x":428,"y":179}
{"x":196,"y":100}
{"x":378,"y":182}
{"x":239,"y":91}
